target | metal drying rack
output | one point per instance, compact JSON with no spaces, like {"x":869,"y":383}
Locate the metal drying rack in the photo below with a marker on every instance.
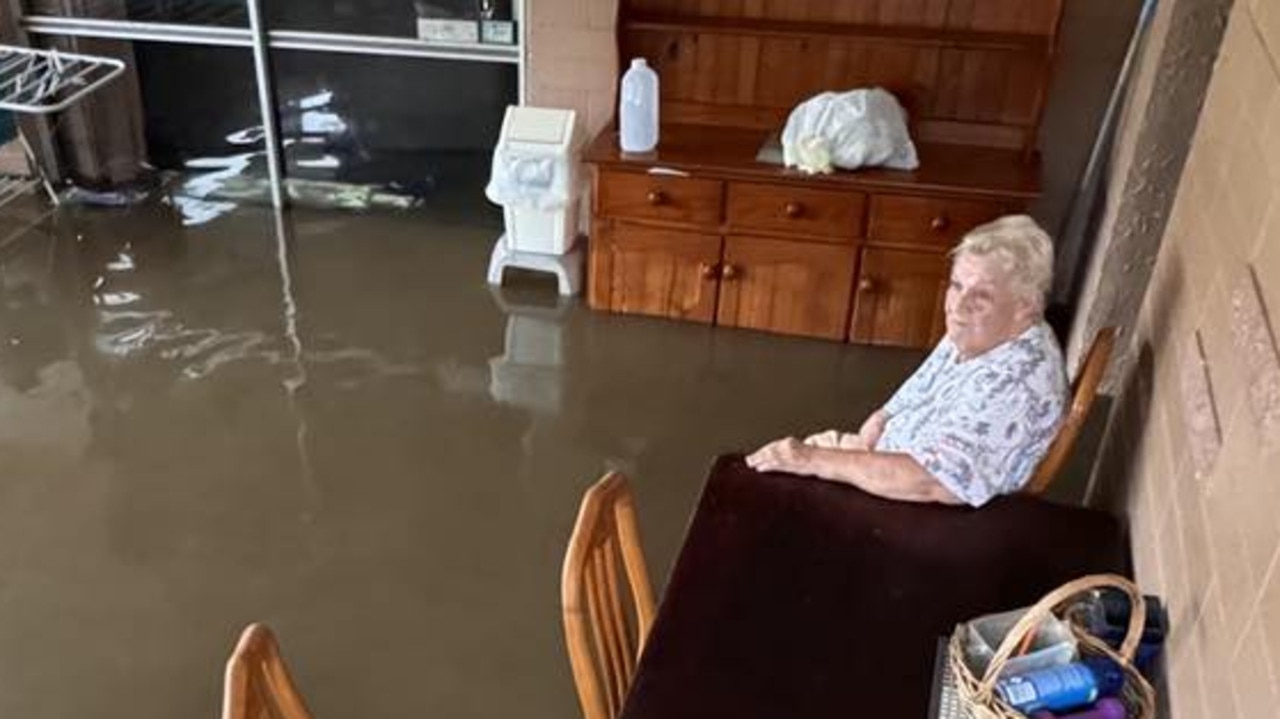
{"x":43,"y":82}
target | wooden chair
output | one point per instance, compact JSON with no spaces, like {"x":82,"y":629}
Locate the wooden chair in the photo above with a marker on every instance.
{"x":257,"y":684}
{"x":1083,"y":392}
{"x":604,"y":638}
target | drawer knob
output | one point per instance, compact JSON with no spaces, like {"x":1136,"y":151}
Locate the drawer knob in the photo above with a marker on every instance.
{"x":730,"y":272}
{"x":939,"y":223}
{"x":708,"y":270}
{"x":793,"y":209}
{"x":866,"y":284}
{"x":657,"y":197}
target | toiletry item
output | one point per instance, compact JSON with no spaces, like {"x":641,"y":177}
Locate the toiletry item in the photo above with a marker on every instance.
{"x":1105,"y":614}
{"x":1105,"y":708}
{"x":638,"y":108}
{"x":1065,"y":687}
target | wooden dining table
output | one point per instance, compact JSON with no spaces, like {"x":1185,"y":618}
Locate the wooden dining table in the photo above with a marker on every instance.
{"x":797,"y":598}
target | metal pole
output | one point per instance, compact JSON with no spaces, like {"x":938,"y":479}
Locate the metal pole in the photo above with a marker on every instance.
{"x":266,"y":103}
{"x":137,"y":30}
{"x":276,"y":39}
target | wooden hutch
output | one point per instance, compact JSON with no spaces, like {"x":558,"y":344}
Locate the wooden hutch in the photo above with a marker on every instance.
{"x":700,"y":230}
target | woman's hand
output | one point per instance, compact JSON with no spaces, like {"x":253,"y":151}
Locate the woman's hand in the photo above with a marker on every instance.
{"x":785,"y":455}
{"x":893,"y":475}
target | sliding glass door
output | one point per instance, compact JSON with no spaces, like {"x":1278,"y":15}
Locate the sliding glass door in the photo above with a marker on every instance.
{"x":369,"y":104}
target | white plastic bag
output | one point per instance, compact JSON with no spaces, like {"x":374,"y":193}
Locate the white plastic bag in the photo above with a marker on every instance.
{"x":859,"y":128}
{"x":528,"y":179}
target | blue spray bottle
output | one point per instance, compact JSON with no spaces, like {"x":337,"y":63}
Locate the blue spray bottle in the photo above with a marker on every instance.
{"x":1063,"y":687}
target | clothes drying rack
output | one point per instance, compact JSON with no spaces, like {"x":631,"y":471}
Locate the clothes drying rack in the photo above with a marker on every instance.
{"x":43,"y":82}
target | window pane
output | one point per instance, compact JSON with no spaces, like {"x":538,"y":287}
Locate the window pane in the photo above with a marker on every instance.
{"x":365,"y":131}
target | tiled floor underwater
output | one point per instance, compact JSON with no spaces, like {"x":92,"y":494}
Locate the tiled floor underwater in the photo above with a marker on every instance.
{"x":329,"y":423}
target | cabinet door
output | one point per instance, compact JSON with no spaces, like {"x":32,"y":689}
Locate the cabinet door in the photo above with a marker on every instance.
{"x":899,"y":298}
{"x":666,"y":273}
{"x":786,"y":286}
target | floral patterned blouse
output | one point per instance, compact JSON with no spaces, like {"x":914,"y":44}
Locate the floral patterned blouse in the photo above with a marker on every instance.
{"x":981,"y":426}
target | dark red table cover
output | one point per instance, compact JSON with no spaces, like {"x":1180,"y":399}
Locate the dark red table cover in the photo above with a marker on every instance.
{"x":802,"y":599}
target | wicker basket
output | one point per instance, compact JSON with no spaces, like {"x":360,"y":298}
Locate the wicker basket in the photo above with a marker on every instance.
{"x":977,"y":694}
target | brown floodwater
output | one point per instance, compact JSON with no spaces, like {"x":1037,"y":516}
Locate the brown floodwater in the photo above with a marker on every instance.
{"x":328,"y":422}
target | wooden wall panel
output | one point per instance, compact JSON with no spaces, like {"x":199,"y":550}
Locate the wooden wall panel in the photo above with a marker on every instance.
{"x":918,"y":13}
{"x":794,"y":10}
{"x":1024,"y":90}
{"x":1028,"y":16}
{"x":960,"y":14}
{"x":976,"y":65}
{"x":969,"y":85}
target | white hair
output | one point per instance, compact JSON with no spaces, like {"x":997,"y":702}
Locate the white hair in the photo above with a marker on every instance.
{"x":1021,"y":247}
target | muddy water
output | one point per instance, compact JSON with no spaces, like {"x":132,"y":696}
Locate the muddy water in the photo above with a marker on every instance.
{"x":329,"y":423}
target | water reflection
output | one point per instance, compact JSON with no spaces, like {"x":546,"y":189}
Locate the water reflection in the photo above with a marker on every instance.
{"x":530,"y":373}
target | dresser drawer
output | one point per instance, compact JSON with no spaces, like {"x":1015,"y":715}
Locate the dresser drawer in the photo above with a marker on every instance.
{"x":633,"y":195}
{"x":823,"y":214}
{"x":928,"y":221}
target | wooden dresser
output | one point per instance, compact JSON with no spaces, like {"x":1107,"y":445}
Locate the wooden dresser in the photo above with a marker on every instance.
{"x":700,"y":230}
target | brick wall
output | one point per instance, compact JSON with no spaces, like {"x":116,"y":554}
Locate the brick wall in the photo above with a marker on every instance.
{"x":1198,"y":427}
{"x":572,"y":58}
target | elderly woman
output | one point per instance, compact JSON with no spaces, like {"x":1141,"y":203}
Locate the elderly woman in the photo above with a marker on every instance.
{"x":976,"y":418}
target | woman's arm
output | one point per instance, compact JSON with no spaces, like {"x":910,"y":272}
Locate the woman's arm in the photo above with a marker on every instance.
{"x":887,"y":474}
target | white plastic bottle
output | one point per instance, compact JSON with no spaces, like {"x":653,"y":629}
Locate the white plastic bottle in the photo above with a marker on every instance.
{"x":638,"y":108}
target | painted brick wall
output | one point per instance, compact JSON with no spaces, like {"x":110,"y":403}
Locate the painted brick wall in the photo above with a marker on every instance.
{"x":1199,"y":425}
{"x":572,"y":59}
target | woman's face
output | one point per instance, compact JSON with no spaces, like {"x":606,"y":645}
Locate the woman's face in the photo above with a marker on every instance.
{"x":982,"y":309}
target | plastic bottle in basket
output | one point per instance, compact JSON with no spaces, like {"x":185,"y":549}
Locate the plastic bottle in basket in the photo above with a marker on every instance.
{"x":638,"y":108}
{"x":1069,"y":686}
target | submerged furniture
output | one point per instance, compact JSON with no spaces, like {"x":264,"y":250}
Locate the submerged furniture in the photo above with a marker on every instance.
{"x":42,"y":82}
{"x":701,"y":230}
{"x":1083,"y":391}
{"x":799,"y":598}
{"x":604,"y":635}
{"x":535,"y":182}
{"x":257,"y":683}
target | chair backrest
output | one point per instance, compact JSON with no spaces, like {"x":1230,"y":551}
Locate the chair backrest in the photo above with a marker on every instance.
{"x":257,"y":683}
{"x":1083,"y":392}
{"x":605,"y":638}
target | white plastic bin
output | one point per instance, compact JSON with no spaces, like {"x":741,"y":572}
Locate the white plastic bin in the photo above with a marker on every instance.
{"x":1052,"y":645}
{"x":535,"y":179}
{"x":547,"y":232}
